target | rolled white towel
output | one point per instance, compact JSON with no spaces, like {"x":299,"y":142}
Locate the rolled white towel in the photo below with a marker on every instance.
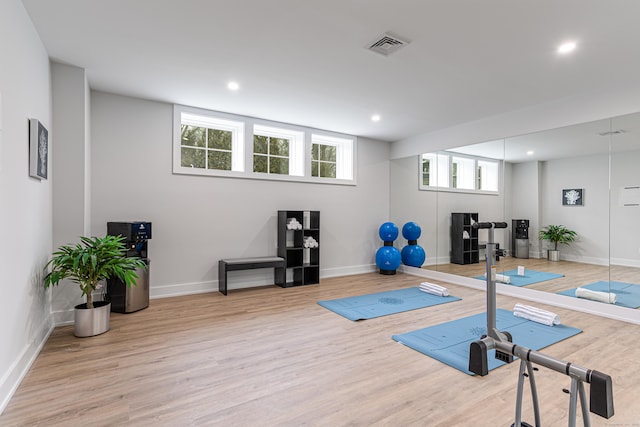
{"x":606,"y":297}
{"x":293,"y":224}
{"x":434,"y":289}
{"x":503,"y":278}
{"x":535,"y":314}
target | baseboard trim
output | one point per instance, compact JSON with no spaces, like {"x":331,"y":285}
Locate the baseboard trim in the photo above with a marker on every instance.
{"x":245,"y":279}
{"x":10,"y":382}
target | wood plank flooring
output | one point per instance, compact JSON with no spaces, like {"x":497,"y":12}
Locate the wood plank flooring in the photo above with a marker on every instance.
{"x":274,"y":357}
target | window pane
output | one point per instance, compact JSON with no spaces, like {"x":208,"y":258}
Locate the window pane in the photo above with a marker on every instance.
{"x":219,"y":160}
{"x":193,"y":136}
{"x":464,"y":173}
{"x":328,"y":153}
{"x":488,"y":175}
{"x":314,"y":152}
{"x":328,"y":170}
{"x":278,"y":146}
{"x":260,"y":144}
{"x":220,"y":139}
{"x":192,"y":158}
{"x":314,"y":168}
{"x":260,"y":164}
{"x":279,"y":165}
{"x":426,"y":164}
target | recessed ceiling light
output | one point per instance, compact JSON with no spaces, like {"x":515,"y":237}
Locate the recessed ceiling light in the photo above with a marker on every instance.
{"x":529,"y":153}
{"x":375,"y":118}
{"x":233,"y":86}
{"x":566,"y":47}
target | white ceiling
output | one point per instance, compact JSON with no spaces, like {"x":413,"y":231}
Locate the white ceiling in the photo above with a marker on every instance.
{"x":305,"y":62}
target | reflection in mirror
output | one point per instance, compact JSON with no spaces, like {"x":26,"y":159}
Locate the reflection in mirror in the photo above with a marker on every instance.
{"x":452,"y":181}
{"x":560,"y":184}
{"x":581,"y":177}
{"x":465,"y":201}
{"x":625,"y":210}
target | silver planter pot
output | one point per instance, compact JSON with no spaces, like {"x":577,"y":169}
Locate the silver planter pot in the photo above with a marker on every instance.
{"x":91,"y":321}
{"x":553,"y":255}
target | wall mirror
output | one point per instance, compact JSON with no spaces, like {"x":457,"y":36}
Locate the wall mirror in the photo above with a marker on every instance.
{"x":583,"y":177}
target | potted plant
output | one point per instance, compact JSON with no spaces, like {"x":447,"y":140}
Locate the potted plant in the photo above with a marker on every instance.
{"x":88,"y":263}
{"x":556,"y":234}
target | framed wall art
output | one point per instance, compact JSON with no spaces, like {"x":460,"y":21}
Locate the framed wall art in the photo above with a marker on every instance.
{"x":573,"y":197}
{"x":38,"y":149}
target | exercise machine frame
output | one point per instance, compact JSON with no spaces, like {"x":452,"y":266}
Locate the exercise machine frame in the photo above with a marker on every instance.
{"x":601,"y":388}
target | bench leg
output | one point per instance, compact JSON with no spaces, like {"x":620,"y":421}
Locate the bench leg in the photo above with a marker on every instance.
{"x":280,"y":276}
{"x":222,"y":277}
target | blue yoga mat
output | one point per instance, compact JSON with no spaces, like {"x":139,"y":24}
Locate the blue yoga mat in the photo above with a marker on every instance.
{"x":627,"y":294}
{"x":449,"y":342}
{"x":384,"y":303}
{"x":530,"y":277}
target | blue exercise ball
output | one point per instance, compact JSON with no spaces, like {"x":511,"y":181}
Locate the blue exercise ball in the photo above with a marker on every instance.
{"x":413,"y":255}
{"x":411,"y":231}
{"x":388,"y":232}
{"x":388,"y":258}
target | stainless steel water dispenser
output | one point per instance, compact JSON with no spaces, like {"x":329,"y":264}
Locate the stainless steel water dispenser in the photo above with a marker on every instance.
{"x":125,"y":299}
{"x":520,"y":238}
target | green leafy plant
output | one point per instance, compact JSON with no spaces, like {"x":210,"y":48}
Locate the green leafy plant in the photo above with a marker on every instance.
{"x":90,"y":261}
{"x":557,"y":234}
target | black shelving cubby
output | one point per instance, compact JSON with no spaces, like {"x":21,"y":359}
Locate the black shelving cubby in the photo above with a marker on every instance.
{"x":303,"y":264}
{"x":464,"y":239}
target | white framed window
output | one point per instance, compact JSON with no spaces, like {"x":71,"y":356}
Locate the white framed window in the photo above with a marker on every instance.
{"x":445,"y":171}
{"x":214,"y":143}
{"x":208,"y":143}
{"x":435,"y":171}
{"x":331,"y":157}
{"x":278,"y":151}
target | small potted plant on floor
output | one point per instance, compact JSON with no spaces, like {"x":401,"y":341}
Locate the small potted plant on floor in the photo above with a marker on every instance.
{"x":556,"y":234}
{"x":88,"y":263}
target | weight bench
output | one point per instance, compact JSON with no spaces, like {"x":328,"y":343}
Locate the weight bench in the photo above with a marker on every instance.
{"x":236,"y":264}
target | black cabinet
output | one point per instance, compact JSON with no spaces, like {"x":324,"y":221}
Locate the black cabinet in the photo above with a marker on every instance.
{"x":299,"y":245}
{"x":464,"y":238}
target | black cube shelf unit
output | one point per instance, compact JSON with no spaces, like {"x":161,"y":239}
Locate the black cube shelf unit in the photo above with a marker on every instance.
{"x":464,"y":238}
{"x":302,"y":263}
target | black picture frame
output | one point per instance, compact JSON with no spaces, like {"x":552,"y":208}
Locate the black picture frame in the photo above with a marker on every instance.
{"x":38,"y":149}
{"x":573,"y":197}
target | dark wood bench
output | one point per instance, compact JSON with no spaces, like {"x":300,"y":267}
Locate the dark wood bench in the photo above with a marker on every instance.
{"x":236,"y":264}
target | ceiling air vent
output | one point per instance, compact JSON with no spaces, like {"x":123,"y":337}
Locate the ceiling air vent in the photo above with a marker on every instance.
{"x":387,"y":44}
{"x":613,"y":132}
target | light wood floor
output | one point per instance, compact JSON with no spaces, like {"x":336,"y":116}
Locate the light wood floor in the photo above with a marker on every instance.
{"x":273,"y":357}
{"x":575,"y":273}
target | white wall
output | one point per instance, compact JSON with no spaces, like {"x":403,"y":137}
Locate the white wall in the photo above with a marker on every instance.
{"x":198,"y":220}
{"x":625,"y":228}
{"x":590,"y":221}
{"x":525,"y":201}
{"x":71,"y":176}
{"x":25,"y":203}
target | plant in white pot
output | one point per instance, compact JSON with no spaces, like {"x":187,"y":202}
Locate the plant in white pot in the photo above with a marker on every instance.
{"x":88,"y":263}
{"x":556,"y":234}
